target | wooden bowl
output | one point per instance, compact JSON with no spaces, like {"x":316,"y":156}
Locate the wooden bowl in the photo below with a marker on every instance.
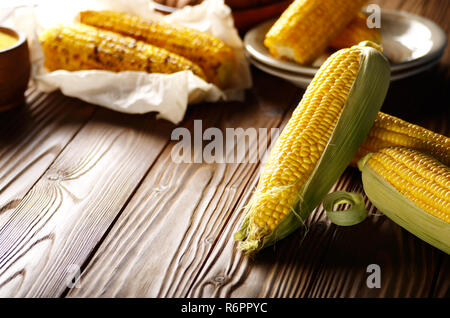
{"x":14,"y":70}
{"x":248,"y":4}
{"x":246,"y":13}
{"x":250,"y":16}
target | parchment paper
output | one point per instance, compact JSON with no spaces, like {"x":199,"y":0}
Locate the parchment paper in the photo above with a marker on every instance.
{"x":133,"y":92}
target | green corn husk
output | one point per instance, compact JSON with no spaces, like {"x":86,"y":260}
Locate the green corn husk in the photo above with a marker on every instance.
{"x":355,"y":214}
{"x":361,"y":108}
{"x":386,"y":198}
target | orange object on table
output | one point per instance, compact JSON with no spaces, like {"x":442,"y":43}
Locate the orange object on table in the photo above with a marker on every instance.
{"x":246,"y":13}
{"x":246,"y":18}
{"x":14,"y":68}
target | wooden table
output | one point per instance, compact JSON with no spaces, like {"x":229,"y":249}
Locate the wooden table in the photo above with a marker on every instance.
{"x":85,"y":188}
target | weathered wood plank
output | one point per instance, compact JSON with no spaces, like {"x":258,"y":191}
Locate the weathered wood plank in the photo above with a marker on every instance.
{"x":284,"y":270}
{"x":328,"y":261}
{"x":174,"y":236}
{"x":442,"y":285}
{"x":31,"y":137}
{"x":161,"y":240}
{"x":228,"y":273}
{"x":63,"y":217}
{"x":408,"y":265}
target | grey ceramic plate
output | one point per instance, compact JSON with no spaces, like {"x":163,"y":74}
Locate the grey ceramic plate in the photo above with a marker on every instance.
{"x":303,"y":81}
{"x":408,"y":40}
{"x":298,"y":80}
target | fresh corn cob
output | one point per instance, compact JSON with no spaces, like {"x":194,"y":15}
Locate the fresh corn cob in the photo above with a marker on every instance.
{"x":355,"y":32}
{"x":412,"y":189}
{"x":391,"y":131}
{"x":82,"y":47}
{"x":214,"y":57}
{"x":307,"y":27}
{"x":319,"y":141}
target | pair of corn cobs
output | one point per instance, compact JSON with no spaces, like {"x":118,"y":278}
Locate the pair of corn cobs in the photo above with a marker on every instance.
{"x":308,"y":28}
{"x":404,"y":167}
{"x":116,"y":41}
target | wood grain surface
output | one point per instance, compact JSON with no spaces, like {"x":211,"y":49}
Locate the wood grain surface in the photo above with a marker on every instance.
{"x":31,"y":137}
{"x":83,"y":187}
{"x":180,"y":210}
{"x":65,"y":214}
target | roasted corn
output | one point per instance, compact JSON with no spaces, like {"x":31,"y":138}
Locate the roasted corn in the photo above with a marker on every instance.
{"x":306,"y":28}
{"x":81,"y":47}
{"x":355,"y":32}
{"x":214,"y":57}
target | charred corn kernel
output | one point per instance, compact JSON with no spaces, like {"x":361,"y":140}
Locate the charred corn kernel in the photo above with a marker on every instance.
{"x":311,"y":153}
{"x":390,"y":131}
{"x":411,"y":188}
{"x":81,"y":47}
{"x":355,"y":32}
{"x":214,"y":57}
{"x":306,"y":28}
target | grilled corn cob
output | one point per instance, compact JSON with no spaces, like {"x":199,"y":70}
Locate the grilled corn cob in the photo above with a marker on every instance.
{"x":391,"y":131}
{"x":319,"y":141}
{"x":412,"y":189}
{"x":355,"y":32}
{"x":214,"y":57}
{"x":307,"y":27}
{"x":81,"y":47}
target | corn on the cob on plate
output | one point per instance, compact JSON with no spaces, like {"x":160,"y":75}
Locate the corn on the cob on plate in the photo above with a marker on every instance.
{"x":392,"y":131}
{"x":82,"y":47}
{"x":214,"y":57}
{"x":319,"y":141}
{"x":412,"y":189}
{"x":306,"y":28}
{"x":355,"y":32}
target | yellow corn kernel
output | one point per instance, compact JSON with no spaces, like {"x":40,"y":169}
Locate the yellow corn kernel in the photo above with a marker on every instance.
{"x":82,"y":47}
{"x":299,"y":146}
{"x":355,"y":32}
{"x":307,"y":27}
{"x":420,"y":178}
{"x":390,"y":131}
{"x":214,"y":57}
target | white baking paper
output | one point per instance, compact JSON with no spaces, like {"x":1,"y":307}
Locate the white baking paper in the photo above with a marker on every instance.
{"x":133,"y":92}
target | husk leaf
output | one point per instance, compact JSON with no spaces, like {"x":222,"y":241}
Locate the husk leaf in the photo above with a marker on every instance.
{"x":405,"y":213}
{"x":355,"y":214}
